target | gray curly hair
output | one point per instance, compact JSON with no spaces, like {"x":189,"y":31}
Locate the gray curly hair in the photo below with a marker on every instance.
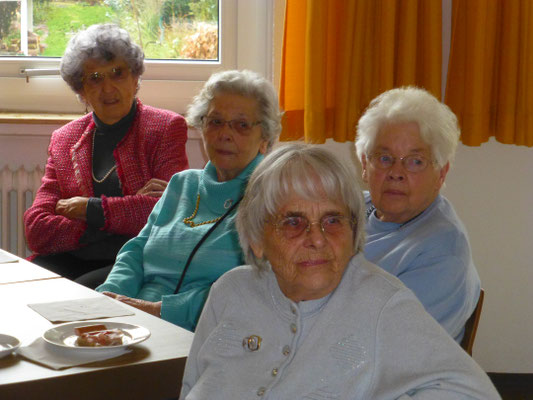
{"x":101,"y":42}
{"x":296,"y":167}
{"x":245,"y":83}
{"x":436,"y":122}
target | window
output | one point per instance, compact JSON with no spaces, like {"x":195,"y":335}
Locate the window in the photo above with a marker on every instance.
{"x":165,"y":29}
{"x":244,"y":41}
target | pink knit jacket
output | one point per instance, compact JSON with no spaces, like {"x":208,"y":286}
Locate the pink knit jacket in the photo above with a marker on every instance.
{"x":154,"y":147}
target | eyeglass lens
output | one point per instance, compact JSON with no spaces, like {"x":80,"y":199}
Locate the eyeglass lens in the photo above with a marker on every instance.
{"x":115,"y":74}
{"x":241,"y":126}
{"x":412,"y":163}
{"x":294,"y":226}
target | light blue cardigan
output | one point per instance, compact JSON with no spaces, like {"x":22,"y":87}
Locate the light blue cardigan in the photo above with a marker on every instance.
{"x":431,"y":256}
{"x":149,"y":266}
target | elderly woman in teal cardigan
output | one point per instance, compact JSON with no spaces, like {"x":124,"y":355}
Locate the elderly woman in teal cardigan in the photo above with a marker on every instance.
{"x":190,"y":239}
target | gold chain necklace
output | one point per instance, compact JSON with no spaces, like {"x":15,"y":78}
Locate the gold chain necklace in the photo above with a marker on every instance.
{"x":92,"y":171}
{"x":189,"y":220}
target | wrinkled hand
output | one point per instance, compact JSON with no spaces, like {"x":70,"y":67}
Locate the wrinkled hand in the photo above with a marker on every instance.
{"x":154,"y":187}
{"x":143,"y":305}
{"x":73,"y":208}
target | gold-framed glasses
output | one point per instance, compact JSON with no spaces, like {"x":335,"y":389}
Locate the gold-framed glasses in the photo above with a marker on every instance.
{"x":241,"y":126}
{"x":293,"y":226}
{"x":412,"y":163}
{"x":116,"y":74}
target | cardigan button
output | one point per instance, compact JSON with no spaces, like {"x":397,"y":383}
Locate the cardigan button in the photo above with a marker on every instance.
{"x":261,"y":391}
{"x":286,"y":350}
{"x":274,"y":372}
{"x":294,"y":328}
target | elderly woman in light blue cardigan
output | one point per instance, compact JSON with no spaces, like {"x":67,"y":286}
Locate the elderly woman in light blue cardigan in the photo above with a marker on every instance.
{"x":190,"y":238}
{"x":406,"y":140}
{"x":310,"y":317}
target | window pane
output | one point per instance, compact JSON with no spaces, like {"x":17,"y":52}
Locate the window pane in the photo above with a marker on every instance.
{"x":165,"y":29}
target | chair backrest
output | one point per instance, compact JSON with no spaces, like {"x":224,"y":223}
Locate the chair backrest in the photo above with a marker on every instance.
{"x":471,"y":325}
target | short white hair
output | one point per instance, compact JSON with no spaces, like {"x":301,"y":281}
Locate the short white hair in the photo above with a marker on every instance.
{"x":296,"y":168}
{"x":244,"y":83}
{"x":436,"y":122}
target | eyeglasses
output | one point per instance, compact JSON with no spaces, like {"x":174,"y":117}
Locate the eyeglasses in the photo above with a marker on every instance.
{"x":292,"y":227}
{"x":116,"y":74}
{"x":413,"y":163}
{"x":241,"y":126}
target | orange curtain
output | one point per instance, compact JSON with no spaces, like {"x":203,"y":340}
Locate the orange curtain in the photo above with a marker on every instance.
{"x":339,"y":54}
{"x":490,"y":73}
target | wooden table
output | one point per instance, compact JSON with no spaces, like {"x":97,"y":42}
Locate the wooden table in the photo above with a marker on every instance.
{"x":153,"y":370}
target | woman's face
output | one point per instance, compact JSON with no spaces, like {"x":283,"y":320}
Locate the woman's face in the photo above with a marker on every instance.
{"x":311,"y":265}
{"x":397,"y":194}
{"x":109,"y":87}
{"x":231,"y":150}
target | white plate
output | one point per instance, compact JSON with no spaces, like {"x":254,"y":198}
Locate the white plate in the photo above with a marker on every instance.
{"x":63,"y":335}
{"x":8,"y":344}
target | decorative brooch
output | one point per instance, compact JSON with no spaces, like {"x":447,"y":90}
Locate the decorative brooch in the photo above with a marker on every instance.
{"x":252,"y":343}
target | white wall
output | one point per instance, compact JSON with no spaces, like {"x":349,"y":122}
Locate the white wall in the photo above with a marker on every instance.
{"x":491,"y":187}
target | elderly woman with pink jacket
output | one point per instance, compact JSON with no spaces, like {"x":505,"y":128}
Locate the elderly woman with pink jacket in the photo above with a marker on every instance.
{"x":106,"y":170}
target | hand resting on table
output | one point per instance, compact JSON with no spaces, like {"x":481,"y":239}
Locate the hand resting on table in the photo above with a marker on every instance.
{"x":150,"y":307}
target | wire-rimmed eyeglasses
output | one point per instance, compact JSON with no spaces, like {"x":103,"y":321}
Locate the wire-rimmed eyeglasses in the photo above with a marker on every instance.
{"x":116,"y":74}
{"x":294,"y":226}
{"x":412,"y":163}
{"x":241,"y":126}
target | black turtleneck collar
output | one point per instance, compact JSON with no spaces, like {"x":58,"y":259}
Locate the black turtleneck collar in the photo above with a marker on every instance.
{"x":120,"y":127}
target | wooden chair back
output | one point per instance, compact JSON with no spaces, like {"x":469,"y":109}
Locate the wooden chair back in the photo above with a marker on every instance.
{"x":471,"y":325}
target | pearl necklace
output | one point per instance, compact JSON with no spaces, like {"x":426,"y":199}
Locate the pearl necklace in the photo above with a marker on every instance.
{"x":92,"y":171}
{"x":189,"y":220}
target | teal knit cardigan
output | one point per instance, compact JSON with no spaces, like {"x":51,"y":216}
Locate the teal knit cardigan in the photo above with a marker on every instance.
{"x":150,"y":265}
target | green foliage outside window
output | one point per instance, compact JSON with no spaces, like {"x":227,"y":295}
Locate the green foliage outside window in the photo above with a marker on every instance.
{"x":204,"y":10}
{"x":166,"y":29}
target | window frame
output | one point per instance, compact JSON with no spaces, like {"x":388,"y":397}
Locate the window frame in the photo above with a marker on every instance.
{"x":246,"y":29}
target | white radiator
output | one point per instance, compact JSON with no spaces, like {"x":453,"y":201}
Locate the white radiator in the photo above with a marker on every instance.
{"x":17,"y":190}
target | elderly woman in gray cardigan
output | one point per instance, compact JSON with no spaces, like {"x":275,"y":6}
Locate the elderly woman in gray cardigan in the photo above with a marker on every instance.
{"x":310,"y":318}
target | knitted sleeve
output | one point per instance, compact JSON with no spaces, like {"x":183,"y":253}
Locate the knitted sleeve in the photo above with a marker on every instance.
{"x":416,"y":359}
{"x":165,"y":156}
{"x":193,"y":370}
{"x":184,"y":308}
{"x":47,"y":232}
{"x":127,"y":275}
{"x":441,"y":279}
